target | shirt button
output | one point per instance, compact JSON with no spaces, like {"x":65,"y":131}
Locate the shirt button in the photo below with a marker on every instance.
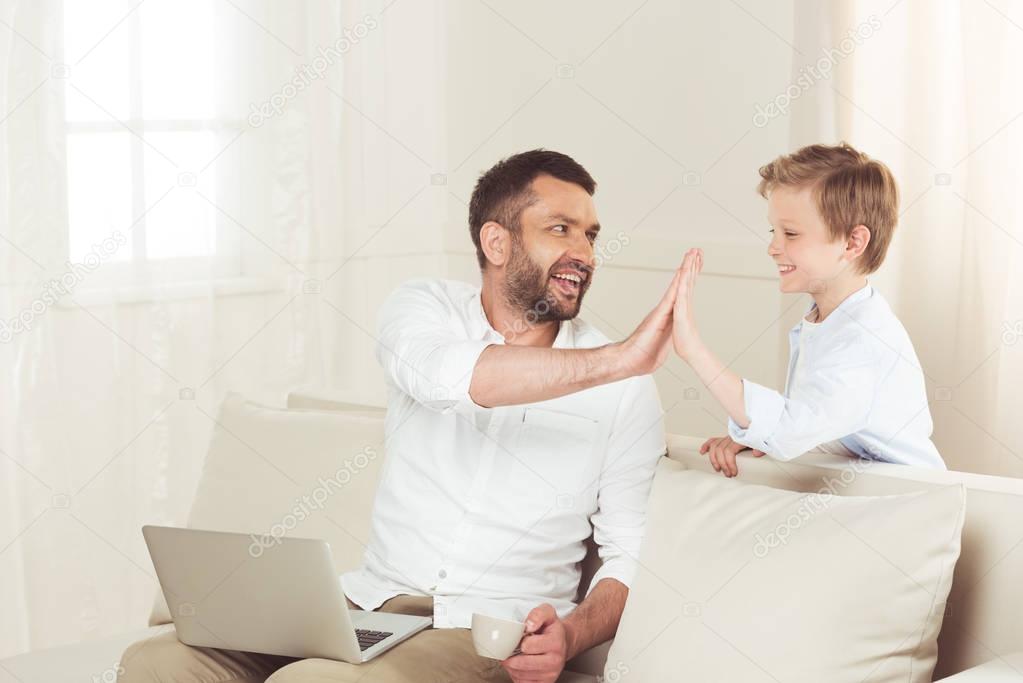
{"x":442,"y":574}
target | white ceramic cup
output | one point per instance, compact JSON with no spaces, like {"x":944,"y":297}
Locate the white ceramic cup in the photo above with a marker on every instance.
{"x":496,"y":638}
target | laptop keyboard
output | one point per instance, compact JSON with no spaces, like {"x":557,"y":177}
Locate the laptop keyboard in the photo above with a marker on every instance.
{"x":368,"y":639}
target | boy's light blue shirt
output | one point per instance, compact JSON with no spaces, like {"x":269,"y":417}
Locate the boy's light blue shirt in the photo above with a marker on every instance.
{"x":860,"y":383}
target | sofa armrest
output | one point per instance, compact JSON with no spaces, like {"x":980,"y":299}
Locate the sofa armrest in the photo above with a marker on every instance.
{"x":999,"y":670}
{"x":591,"y":662}
{"x":95,"y":660}
{"x":573,"y":677}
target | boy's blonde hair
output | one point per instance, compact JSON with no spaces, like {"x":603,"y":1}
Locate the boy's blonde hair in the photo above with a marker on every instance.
{"x":850,"y":189}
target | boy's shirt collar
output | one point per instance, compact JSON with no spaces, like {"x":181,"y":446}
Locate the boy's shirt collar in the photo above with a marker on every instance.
{"x":859,"y":295}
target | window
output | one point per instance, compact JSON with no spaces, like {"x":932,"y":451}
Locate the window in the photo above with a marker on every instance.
{"x":146,"y":145}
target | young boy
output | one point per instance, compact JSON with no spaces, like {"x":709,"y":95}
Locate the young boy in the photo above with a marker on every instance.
{"x":854,"y":384}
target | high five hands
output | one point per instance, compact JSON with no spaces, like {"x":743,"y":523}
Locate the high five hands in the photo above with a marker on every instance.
{"x":670,"y":324}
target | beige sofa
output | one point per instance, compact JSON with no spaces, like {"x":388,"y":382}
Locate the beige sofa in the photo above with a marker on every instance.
{"x":262,"y":459}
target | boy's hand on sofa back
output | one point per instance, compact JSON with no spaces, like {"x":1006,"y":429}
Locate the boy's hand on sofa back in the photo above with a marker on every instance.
{"x":722,"y":451}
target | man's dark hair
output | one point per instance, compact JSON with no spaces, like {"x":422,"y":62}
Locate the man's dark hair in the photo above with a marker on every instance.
{"x":503,"y":192}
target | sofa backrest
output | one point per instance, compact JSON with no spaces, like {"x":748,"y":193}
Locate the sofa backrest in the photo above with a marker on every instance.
{"x":275,"y":473}
{"x":984,"y":612}
{"x":983,"y":617}
{"x":271,"y":470}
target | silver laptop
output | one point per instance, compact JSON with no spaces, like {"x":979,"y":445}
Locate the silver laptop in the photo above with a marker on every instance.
{"x":280,"y":597}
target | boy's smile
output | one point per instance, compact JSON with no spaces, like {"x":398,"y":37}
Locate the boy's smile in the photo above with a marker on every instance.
{"x":807,"y":257}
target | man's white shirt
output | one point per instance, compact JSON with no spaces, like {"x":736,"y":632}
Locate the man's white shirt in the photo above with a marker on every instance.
{"x":488,"y":510}
{"x":854,"y":381}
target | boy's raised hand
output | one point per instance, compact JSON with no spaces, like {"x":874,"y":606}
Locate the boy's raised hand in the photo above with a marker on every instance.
{"x":725,"y":386}
{"x":685,"y":336}
{"x":722,"y":451}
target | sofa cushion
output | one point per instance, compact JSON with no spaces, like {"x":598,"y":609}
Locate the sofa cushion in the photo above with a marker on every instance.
{"x":297,"y":473}
{"x":91,"y":660}
{"x":740,"y":582}
{"x":977,"y":625}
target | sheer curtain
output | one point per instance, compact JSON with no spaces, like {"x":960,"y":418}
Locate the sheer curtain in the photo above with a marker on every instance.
{"x":932,"y":88}
{"x":173,"y":228}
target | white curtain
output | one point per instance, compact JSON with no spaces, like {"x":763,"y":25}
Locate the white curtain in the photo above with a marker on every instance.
{"x":931,"y":87}
{"x":108,"y":393}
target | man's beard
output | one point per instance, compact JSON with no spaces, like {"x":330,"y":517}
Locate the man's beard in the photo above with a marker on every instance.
{"x":527,"y":288}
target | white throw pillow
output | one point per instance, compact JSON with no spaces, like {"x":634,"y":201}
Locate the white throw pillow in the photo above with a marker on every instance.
{"x":291,"y":473}
{"x":749,"y":583}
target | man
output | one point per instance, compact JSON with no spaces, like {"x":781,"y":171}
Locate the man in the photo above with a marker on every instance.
{"x":514,"y":430}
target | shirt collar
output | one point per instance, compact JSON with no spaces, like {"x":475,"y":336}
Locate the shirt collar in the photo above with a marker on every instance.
{"x":482,"y":329}
{"x":859,"y":295}
{"x":479,"y":326}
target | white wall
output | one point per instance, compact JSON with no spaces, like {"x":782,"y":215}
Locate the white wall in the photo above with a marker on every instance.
{"x":672,"y":145}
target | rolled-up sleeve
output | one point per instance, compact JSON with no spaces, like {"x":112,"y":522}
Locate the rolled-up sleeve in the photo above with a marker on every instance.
{"x":635,"y":445}
{"x":835,"y":398}
{"x":423,"y":348}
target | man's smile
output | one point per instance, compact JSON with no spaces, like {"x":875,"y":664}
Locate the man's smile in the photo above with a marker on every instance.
{"x":568,"y":284}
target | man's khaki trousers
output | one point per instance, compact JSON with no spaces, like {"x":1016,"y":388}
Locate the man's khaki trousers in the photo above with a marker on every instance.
{"x":431,"y":656}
